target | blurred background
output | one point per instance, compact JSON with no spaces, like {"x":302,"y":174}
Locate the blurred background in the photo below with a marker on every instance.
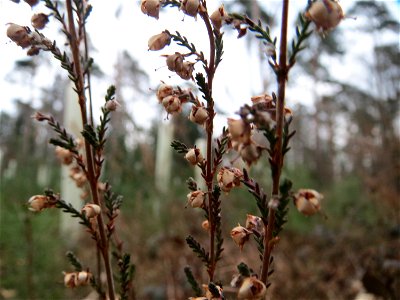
{"x":344,"y":93}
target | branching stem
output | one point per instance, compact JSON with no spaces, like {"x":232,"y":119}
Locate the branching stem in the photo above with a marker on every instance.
{"x":80,"y":89}
{"x":277,"y":159}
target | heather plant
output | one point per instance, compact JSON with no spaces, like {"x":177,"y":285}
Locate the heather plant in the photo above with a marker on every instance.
{"x":262,"y":132}
{"x":83,"y":155}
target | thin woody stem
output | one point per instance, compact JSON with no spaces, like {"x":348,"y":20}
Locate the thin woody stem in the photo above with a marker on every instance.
{"x":79,"y":85}
{"x":277,"y":159}
{"x":209,"y":128}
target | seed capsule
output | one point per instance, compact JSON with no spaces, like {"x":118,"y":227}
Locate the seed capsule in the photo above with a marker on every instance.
{"x":159,"y":41}
{"x":196,"y":199}
{"x":308,"y":201}
{"x":91,"y":210}
{"x":240,"y":235}
{"x":151,"y":8}
{"x":194,"y":156}
{"x":326,"y":14}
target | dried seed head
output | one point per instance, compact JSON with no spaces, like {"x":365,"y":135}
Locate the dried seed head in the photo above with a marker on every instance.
{"x":39,"y":21}
{"x":218,"y":17}
{"x":151,"y":8}
{"x":163,"y":91}
{"x":172,"y":104}
{"x":159,"y":41}
{"x":19,"y":35}
{"x":308,"y":201}
{"x":39,"y":202}
{"x":91,"y":210}
{"x":252,"y":289}
{"x":175,"y":62}
{"x":190,"y":7}
{"x":229,"y":178}
{"x":196,"y":198}
{"x":326,"y":14}
{"x":198,"y":114}
{"x":112,"y":105}
{"x":240,"y":235}
{"x":194,"y":156}
{"x":239,"y":130}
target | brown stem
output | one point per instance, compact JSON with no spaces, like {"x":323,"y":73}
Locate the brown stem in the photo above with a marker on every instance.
{"x":277,"y":159}
{"x":209,"y":128}
{"x":79,"y":85}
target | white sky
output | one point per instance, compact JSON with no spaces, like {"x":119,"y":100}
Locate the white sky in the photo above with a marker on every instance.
{"x":239,"y":73}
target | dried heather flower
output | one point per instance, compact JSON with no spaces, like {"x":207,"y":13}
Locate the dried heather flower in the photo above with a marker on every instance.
{"x":194,"y":156}
{"x":19,"y":35}
{"x":239,"y":130}
{"x":82,"y":278}
{"x":196,"y":198}
{"x":229,"y":178}
{"x":250,"y":153}
{"x":218,"y":17}
{"x":186,"y":71}
{"x":308,"y":201}
{"x":112,"y":105}
{"x":91,"y":210}
{"x":254,"y":223}
{"x":252,"y":289}
{"x":240,"y":235}
{"x":64,"y":155}
{"x":32,"y":2}
{"x":163,"y":91}
{"x":190,"y":7}
{"x":159,"y":41}
{"x":172,"y":104}
{"x":175,"y":62}
{"x":69,"y":279}
{"x":326,"y":14}
{"x":39,"y":202}
{"x":39,"y":21}
{"x":210,"y":296}
{"x":151,"y":8}
{"x":198,"y":114}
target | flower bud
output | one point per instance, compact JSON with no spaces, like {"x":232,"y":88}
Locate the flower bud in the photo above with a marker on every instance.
{"x":163,"y":91}
{"x":252,"y":289}
{"x":172,"y":104}
{"x":326,"y":14}
{"x":151,"y":8}
{"x":194,"y":156}
{"x":159,"y":41}
{"x":240,"y":236}
{"x":254,"y":223}
{"x":91,"y":210}
{"x":112,"y":105}
{"x":190,"y":7}
{"x":175,"y":62}
{"x":308,"y":201}
{"x":39,"y":21}
{"x":19,"y":35}
{"x":229,"y":178}
{"x":39,"y":202}
{"x":218,"y":17}
{"x":198,"y":114}
{"x":64,"y":155}
{"x":196,"y":198}
{"x":239,"y":130}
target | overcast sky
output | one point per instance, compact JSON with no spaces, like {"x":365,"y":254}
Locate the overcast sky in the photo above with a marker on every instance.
{"x":236,"y":81}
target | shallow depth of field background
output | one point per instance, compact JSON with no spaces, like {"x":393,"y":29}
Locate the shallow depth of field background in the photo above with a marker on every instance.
{"x":344,"y":93}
